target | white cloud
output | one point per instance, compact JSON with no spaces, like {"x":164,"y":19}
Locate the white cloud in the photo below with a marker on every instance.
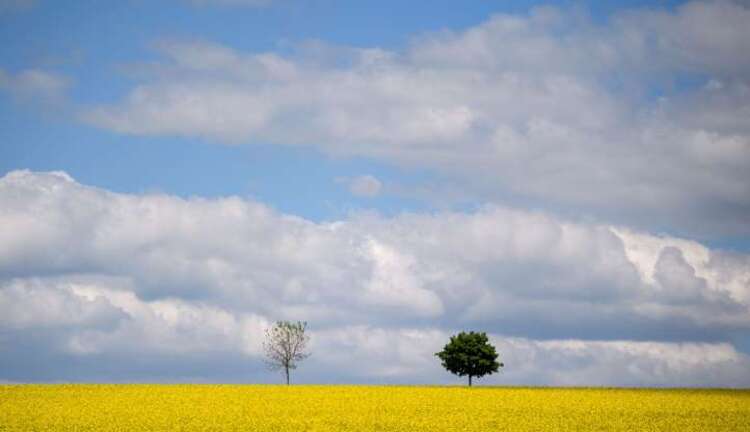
{"x":645,"y":252}
{"x":571,"y":362}
{"x":30,"y":303}
{"x":363,"y":186}
{"x":86,"y":273}
{"x":170,"y":326}
{"x":407,"y":355}
{"x":395,"y":284}
{"x":548,"y":106}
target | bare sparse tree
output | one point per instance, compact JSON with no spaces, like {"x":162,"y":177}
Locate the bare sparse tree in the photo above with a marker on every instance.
{"x":285,"y":346}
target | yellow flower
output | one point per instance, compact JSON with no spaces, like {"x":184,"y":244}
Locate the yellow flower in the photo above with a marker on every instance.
{"x":366,"y":408}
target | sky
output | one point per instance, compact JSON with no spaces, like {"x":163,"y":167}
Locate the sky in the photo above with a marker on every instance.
{"x":572,"y":178}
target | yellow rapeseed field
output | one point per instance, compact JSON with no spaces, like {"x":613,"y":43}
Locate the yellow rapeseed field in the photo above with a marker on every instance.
{"x":366,"y":408}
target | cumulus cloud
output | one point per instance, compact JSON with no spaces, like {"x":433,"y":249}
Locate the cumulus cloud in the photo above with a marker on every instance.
{"x":90,"y":278}
{"x":548,"y":106}
{"x":31,"y":303}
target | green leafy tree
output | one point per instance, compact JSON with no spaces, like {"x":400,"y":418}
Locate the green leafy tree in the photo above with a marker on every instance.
{"x":470,"y":354}
{"x":285,"y":346}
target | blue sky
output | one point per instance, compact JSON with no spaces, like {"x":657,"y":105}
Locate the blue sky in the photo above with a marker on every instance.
{"x":571,"y":177}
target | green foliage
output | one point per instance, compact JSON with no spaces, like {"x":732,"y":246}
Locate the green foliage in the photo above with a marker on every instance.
{"x":470,"y":354}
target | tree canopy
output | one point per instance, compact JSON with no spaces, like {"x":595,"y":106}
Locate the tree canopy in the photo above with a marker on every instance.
{"x":470,"y":354}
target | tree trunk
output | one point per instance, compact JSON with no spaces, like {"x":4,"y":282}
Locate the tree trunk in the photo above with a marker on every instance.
{"x":469,"y":380}
{"x":286,"y":369}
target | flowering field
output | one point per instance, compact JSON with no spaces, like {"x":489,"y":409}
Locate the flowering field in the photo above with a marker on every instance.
{"x":366,"y":408}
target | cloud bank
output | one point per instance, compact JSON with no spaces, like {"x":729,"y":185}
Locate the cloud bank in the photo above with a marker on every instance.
{"x":640,"y":120}
{"x":99,"y":285}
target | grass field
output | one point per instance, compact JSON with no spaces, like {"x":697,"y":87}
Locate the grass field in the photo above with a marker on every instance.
{"x":366,"y":408}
